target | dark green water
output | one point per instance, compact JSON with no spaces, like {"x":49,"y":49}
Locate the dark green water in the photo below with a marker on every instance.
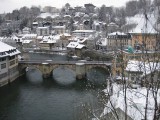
{"x":59,"y":98}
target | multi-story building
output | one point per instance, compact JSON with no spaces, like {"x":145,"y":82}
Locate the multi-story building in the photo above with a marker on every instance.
{"x":58,"y":29}
{"x":83,"y":33}
{"x":144,"y":32}
{"x":43,"y":31}
{"x":8,"y":64}
{"x":142,"y":41}
{"x":118,"y":40}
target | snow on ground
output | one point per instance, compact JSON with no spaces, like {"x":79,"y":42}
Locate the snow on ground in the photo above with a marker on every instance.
{"x":141,"y":25}
{"x":136,"y":101}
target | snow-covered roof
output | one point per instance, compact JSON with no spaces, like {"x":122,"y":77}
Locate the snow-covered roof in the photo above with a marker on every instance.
{"x":141,"y":25}
{"x":26,"y":29}
{"x":48,"y":41}
{"x":80,"y":46}
{"x":7,"y":50}
{"x":42,"y":27}
{"x":29,"y":36}
{"x":72,"y":45}
{"x":144,"y":67}
{"x":57,"y":27}
{"x":112,"y":24}
{"x":35,"y":23}
{"x":39,"y":37}
{"x":66,"y":34}
{"x":14,"y":37}
{"x":81,"y":40}
{"x":136,"y":102}
{"x":67,"y":16}
{"x":86,"y":31}
{"x":75,"y":45}
{"x":45,"y":15}
{"x":116,"y":33}
{"x":26,"y":41}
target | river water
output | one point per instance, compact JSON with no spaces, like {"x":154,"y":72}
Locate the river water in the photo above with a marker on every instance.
{"x":59,"y":98}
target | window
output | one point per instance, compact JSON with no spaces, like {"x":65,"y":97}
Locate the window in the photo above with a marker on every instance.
{"x":11,"y":58}
{"x":2,"y":59}
{"x":3,"y":65}
{"x":12,"y":62}
{"x":3,"y":75}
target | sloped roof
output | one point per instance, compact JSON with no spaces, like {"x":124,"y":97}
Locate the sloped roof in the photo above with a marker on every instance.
{"x":7,"y":50}
{"x":139,"y":66}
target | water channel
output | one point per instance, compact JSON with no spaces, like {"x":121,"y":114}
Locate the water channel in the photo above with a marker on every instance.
{"x":59,"y":98}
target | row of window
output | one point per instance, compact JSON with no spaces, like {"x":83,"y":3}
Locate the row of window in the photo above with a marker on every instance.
{"x":3,"y":65}
{"x":13,"y":70}
{"x":11,"y":57}
{"x":12,"y":62}
{"x":3,"y":75}
{"x":2,"y":59}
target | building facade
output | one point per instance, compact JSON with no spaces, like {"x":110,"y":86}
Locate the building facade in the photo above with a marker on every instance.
{"x":118,"y":40}
{"x":8,"y":64}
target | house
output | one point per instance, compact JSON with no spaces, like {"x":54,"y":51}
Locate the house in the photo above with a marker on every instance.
{"x":75,"y":48}
{"x":30,"y":37}
{"x":144,"y":32}
{"x":55,"y":19}
{"x":58,"y":29}
{"x":118,"y":40}
{"x":123,"y":56}
{"x":48,"y":42}
{"x":83,"y":33}
{"x":139,"y":72}
{"x":27,"y":43}
{"x":8,"y":64}
{"x":43,"y":31}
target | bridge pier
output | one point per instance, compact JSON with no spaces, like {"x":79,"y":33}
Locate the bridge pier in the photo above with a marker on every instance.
{"x":46,"y":76}
{"x":80,"y":71}
{"x":45,"y":69}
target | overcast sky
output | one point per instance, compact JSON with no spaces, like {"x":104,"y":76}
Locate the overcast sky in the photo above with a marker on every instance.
{"x":9,"y":5}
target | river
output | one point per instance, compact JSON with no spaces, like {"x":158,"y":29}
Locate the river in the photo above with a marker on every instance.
{"x":59,"y":98}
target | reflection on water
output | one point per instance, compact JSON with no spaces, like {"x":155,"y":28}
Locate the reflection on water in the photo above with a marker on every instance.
{"x":59,"y":75}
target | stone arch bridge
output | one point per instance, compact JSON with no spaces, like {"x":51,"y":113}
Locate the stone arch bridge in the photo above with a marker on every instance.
{"x":80,"y":67}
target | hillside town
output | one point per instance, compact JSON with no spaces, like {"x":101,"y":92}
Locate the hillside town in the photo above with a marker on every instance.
{"x":126,"y":37}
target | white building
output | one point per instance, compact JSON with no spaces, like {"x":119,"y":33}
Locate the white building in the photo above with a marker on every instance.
{"x":8,"y":63}
{"x":58,"y":29}
{"x":83,"y":33}
{"x":43,"y":31}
